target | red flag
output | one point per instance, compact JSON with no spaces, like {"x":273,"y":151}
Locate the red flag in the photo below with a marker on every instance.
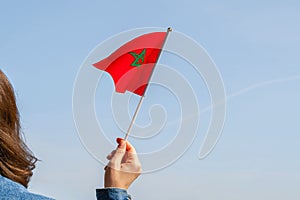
{"x":132,"y":64}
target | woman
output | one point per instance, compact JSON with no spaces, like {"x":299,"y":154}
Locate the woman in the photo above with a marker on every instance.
{"x":17,"y":162}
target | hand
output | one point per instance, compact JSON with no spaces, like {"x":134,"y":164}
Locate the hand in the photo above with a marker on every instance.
{"x":123,"y":167}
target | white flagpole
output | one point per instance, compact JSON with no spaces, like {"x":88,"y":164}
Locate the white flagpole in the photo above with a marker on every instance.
{"x":142,"y":98}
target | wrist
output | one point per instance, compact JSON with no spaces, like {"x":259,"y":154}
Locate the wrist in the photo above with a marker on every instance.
{"x":118,"y":186}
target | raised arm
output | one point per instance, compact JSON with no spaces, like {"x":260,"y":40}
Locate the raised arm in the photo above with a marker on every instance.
{"x":121,"y":171}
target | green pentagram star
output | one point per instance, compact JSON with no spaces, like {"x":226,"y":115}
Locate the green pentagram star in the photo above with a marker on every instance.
{"x":139,"y":58}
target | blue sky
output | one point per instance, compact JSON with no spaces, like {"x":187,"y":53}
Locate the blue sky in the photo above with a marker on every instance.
{"x":255,"y":45}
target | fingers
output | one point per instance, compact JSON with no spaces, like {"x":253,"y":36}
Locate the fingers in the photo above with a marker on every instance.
{"x":117,"y":156}
{"x":132,"y":160}
{"x":125,"y":153}
{"x":130,"y":150}
{"x":109,"y":156}
{"x":129,"y":147}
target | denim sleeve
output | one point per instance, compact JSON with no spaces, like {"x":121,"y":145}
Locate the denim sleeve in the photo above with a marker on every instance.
{"x":10,"y":190}
{"x":112,"y":194}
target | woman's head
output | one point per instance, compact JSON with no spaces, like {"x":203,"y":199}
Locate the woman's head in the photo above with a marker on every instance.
{"x":16,"y":160}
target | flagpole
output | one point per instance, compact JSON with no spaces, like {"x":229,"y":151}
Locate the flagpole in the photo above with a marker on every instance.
{"x":142,"y":97}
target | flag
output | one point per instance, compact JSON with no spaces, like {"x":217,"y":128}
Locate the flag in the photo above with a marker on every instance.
{"x":131,"y":65}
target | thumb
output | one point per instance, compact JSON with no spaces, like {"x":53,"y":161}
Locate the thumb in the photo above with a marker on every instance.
{"x":116,"y":160}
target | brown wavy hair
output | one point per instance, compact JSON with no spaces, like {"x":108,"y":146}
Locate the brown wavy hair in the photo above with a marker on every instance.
{"x":16,"y":160}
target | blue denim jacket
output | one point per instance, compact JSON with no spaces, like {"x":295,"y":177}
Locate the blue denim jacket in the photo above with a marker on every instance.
{"x":10,"y":190}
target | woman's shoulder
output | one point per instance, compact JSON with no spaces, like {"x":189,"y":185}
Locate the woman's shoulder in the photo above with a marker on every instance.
{"x":14,"y":191}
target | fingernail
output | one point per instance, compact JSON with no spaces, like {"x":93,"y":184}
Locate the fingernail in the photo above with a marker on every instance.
{"x":121,"y":143}
{"x":119,"y":140}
